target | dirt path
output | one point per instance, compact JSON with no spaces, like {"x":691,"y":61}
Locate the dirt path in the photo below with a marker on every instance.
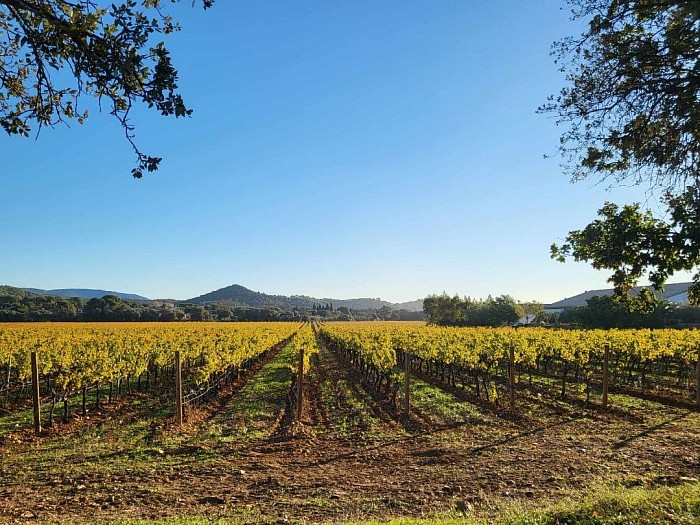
{"x":337,"y":403}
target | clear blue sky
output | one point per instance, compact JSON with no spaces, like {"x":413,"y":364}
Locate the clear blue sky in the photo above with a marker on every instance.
{"x":337,"y":149}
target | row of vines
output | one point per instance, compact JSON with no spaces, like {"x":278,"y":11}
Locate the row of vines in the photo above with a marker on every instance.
{"x":661,"y":361}
{"x":107,"y":358}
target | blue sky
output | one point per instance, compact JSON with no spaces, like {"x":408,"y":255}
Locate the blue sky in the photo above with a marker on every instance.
{"x":336,"y":149}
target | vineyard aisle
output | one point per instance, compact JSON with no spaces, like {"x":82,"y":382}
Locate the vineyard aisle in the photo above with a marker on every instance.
{"x":258,"y":408}
{"x":340,"y":405}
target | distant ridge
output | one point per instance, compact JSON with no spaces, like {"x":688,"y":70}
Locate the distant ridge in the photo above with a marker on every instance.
{"x":237,"y":295}
{"x":411,"y":306}
{"x":241,"y":296}
{"x":87,"y":293}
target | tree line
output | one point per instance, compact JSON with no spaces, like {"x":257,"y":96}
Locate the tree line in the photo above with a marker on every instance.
{"x":445,"y":310}
{"x":599,"y":312}
{"x":608,"y":312}
{"x":17,"y":305}
{"x":26,"y":307}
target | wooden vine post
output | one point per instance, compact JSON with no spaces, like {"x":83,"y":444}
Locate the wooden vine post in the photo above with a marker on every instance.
{"x":84,"y":393}
{"x":179,"y":408}
{"x":35,"y":394}
{"x":407,"y":383}
{"x":9,"y":369}
{"x":606,"y":374}
{"x":300,"y":384}
{"x":511,"y":376}
{"x":697,"y":381}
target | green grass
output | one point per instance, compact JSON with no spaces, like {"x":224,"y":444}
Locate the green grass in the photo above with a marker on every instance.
{"x":17,"y":420}
{"x":610,"y":505}
{"x":651,"y":411}
{"x":114,"y":446}
{"x":443,"y":406}
{"x":679,"y":505}
{"x":24,"y":418}
{"x":255,"y":408}
{"x":345,"y":422}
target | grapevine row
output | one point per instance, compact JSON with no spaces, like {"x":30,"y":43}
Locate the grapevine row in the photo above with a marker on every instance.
{"x":480,"y":357}
{"x":75,"y":357}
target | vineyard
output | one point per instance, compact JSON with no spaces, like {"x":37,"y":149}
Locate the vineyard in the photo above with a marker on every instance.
{"x":318,"y":419}
{"x":660,"y":362}
{"x":77,"y":358}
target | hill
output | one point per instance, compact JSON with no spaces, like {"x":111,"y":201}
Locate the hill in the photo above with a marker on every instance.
{"x":234,"y":295}
{"x":19,"y":293}
{"x":87,"y":293}
{"x":411,"y":306}
{"x":241,"y":296}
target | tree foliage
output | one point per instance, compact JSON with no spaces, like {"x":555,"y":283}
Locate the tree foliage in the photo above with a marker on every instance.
{"x":444,"y":310}
{"x":633,"y":243}
{"x":631,"y":105}
{"x":632,"y":112}
{"x":54,"y":52}
{"x":605,"y":312}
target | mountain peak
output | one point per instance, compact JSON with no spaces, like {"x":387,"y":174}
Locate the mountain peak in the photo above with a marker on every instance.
{"x":239,"y":295}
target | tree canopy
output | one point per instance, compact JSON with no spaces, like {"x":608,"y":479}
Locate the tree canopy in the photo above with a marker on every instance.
{"x":605,"y":312}
{"x":54,"y":52}
{"x":632,"y":114}
{"x":444,"y":310}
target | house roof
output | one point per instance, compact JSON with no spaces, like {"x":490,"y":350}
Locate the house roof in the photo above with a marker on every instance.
{"x":670,"y":291}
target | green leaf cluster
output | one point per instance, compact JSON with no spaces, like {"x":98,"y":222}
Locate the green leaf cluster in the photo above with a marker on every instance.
{"x":634,"y":244}
{"x":55,"y":52}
